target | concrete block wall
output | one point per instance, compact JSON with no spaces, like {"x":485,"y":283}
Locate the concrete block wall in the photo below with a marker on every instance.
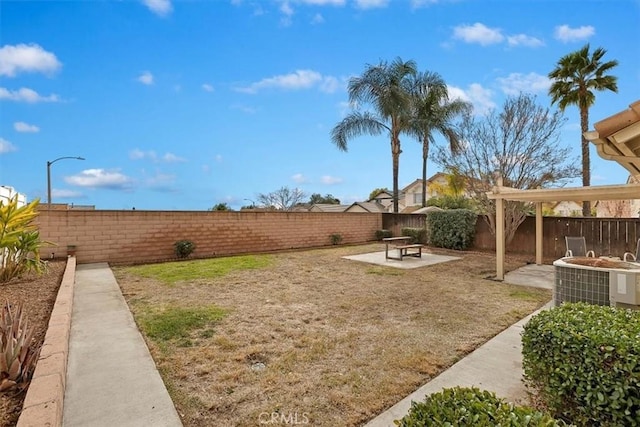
{"x":43,"y":404}
{"x":121,"y":237}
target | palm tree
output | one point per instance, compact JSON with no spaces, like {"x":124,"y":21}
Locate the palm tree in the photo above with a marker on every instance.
{"x":383,"y":86}
{"x":432,"y":111}
{"x":575,"y":78}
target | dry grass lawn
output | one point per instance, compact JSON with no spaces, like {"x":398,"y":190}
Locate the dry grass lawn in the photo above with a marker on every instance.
{"x":330,"y":341}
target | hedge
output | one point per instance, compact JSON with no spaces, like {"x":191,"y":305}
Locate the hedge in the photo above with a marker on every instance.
{"x":472,"y":407}
{"x":583,"y":361}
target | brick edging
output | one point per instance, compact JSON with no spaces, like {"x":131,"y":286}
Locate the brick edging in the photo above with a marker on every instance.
{"x":43,"y":403}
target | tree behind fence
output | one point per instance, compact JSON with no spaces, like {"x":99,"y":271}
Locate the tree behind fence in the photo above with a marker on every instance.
{"x":605,"y":236}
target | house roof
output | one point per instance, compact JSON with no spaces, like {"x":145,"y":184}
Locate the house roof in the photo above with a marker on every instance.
{"x":328,"y":207}
{"x":617,"y":138}
{"x":427,"y":209}
{"x":369,"y":206}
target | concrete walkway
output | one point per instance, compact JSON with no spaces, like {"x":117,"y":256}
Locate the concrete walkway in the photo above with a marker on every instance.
{"x":111,"y":377}
{"x":495,"y":366}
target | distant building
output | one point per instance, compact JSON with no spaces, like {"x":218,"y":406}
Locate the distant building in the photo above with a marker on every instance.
{"x":8,"y":193}
{"x":328,"y":207}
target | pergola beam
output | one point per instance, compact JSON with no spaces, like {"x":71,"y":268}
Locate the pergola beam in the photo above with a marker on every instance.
{"x":616,"y":138}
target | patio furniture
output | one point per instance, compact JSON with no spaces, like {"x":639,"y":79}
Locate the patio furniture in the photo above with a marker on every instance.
{"x":402,"y":244}
{"x":628,"y":256}
{"x":577,"y":246}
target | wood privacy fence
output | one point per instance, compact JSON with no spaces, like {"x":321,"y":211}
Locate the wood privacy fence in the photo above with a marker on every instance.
{"x":605,"y":236}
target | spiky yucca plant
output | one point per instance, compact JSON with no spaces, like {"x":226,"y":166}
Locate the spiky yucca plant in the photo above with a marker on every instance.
{"x":18,"y":354}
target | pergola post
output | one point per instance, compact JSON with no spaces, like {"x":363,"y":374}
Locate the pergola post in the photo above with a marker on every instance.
{"x":500,"y":246}
{"x":539,"y":233}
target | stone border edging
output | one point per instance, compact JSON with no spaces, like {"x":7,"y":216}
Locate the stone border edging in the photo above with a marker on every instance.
{"x":44,"y":401}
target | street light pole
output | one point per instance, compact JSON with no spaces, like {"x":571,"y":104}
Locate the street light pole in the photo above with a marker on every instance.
{"x":49,"y":163}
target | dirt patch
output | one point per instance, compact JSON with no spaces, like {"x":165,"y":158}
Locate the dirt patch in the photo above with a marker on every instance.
{"x":323,"y":340}
{"x":38,"y":294}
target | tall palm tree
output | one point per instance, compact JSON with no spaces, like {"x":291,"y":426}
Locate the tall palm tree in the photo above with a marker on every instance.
{"x":433,"y":112}
{"x":575,"y":78}
{"x":383,"y":87}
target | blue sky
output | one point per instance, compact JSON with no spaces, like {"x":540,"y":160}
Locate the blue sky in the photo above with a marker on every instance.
{"x":180,"y":105}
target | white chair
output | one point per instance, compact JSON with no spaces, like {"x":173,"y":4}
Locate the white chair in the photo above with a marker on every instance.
{"x":628,"y":256}
{"x":577,"y":246}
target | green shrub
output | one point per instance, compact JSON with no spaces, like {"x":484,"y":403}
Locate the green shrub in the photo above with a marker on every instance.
{"x":419,"y":235}
{"x":383,"y":234}
{"x":461,"y":407}
{"x":184,"y":248}
{"x":583,"y":361}
{"x":451,"y":229}
{"x":336,"y":238}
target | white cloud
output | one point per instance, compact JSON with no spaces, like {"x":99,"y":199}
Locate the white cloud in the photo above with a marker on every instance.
{"x":29,"y":58}
{"x":415,"y":4}
{"x":371,"y":4}
{"x":299,"y":178}
{"x":566,"y":34}
{"x":478,"y":96}
{"x":300,"y":79}
{"x":287,"y":12}
{"x":515,"y":83}
{"x":137,"y":154}
{"x":524,"y":40}
{"x":317,"y":19}
{"x":159,"y":7}
{"x":161,"y":182}
{"x":26,"y":95}
{"x":218,"y":158}
{"x":207,"y":87}
{"x":244,"y":108}
{"x":478,"y":33}
{"x":100,"y":178}
{"x":65,"y":194}
{"x":345,"y":107}
{"x":330,"y":180}
{"x":6,"y":146}
{"x":323,"y":2}
{"x":25,"y":127}
{"x":146,"y":78}
{"x":172,"y":158}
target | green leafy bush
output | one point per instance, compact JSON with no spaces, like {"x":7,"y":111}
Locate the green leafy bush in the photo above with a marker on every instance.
{"x":419,"y":235}
{"x":461,"y":407}
{"x":451,"y":229}
{"x":184,"y":248}
{"x":583,"y":361}
{"x":383,"y":234}
{"x":19,"y":240}
{"x":336,"y":238}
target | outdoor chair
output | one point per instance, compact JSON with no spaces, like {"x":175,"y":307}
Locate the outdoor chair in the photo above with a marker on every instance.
{"x":628,"y":256}
{"x":577,"y":246}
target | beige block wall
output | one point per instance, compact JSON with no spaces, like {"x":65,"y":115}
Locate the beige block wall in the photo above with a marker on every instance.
{"x":121,"y":237}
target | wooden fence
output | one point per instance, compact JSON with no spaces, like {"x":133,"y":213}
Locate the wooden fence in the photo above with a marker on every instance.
{"x":605,"y":236}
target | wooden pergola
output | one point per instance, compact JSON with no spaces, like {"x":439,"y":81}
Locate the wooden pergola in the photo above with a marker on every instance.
{"x":616,"y":138}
